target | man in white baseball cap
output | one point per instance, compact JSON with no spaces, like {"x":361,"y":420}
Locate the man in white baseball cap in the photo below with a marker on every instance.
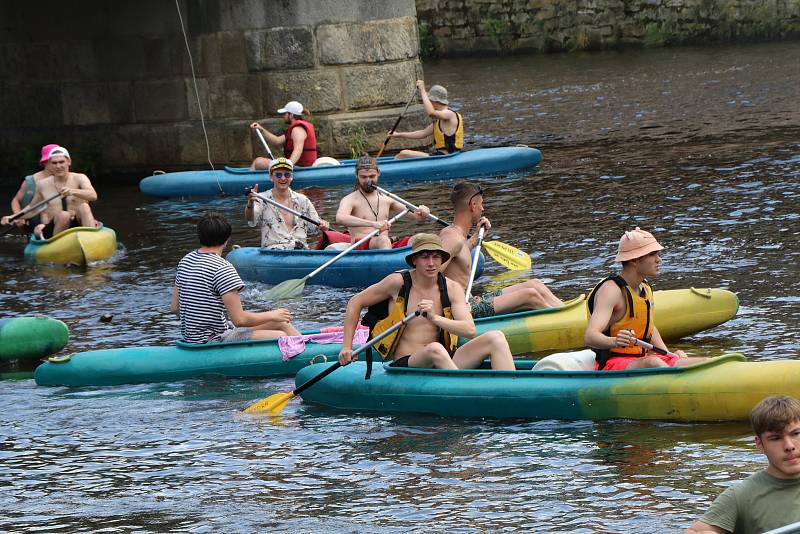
{"x":299,"y":141}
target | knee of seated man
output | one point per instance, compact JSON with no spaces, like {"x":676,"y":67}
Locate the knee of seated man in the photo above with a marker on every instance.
{"x":495,"y":337}
{"x":653,"y":361}
{"x":436,"y":350}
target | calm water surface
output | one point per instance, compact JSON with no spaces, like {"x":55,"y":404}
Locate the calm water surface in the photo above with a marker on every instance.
{"x":700,"y":146}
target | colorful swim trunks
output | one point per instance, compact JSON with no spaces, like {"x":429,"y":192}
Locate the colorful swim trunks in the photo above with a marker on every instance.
{"x":482,"y":305}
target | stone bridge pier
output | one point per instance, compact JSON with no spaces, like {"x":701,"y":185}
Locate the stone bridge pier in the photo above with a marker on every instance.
{"x":113,"y":81}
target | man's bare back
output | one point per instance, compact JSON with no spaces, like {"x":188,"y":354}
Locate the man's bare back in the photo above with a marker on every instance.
{"x":456,"y":243}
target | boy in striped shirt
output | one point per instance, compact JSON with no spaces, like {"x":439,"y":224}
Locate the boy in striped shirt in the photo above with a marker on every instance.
{"x":207,"y":285}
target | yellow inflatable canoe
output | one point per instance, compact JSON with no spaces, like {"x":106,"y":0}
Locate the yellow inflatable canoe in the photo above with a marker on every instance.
{"x":74,"y":246}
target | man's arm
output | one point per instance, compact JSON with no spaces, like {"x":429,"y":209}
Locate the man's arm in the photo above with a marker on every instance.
{"x":16,"y":202}
{"x":240,"y":317}
{"x":420,"y":214}
{"x":704,"y":528}
{"x":416,"y":134}
{"x":85,"y":190}
{"x":461,"y":324}
{"x":386,"y":288}
{"x":311,"y":212}
{"x":299,"y":136}
{"x":173,"y":305}
{"x":604,"y":302}
{"x":272,"y":139}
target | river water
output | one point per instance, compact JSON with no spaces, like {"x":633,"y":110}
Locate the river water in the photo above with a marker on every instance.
{"x":698,"y":145}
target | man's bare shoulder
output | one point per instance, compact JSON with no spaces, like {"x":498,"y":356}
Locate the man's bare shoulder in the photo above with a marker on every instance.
{"x":451,"y":233}
{"x":80,"y":178}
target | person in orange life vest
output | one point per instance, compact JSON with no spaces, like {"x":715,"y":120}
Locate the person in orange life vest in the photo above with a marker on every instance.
{"x":621,"y":309}
{"x":447,"y":127}
{"x":366,"y":209}
{"x":299,"y":142}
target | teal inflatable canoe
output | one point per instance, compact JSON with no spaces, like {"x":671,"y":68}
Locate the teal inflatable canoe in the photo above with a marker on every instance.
{"x":723,"y":388}
{"x":233,"y":181}
{"x":31,"y":337}
{"x":685,"y":311}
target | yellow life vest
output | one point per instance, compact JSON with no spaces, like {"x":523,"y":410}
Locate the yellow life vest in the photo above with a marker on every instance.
{"x":383,"y":315}
{"x":448,"y":143}
{"x":639,"y":317}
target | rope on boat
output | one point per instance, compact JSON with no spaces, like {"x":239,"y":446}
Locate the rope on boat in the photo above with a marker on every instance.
{"x":197,"y":95}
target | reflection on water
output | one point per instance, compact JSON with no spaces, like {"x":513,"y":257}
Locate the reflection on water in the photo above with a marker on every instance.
{"x":699,"y":146}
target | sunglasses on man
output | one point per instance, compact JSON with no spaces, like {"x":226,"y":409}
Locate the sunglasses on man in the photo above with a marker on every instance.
{"x":279,"y":175}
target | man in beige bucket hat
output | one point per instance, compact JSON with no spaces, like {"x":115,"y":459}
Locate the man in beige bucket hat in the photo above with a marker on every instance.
{"x":622,"y":311}
{"x":430,"y":339}
{"x":447,"y":127}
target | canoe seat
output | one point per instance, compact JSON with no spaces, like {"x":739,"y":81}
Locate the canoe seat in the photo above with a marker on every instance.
{"x":337,"y":246}
{"x":582,"y":360}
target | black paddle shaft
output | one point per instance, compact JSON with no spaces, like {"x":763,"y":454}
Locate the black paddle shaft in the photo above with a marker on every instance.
{"x":362,"y":348}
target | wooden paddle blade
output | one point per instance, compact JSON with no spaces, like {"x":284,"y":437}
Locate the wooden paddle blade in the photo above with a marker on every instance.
{"x":274,"y":403}
{"x":508,"y":256}
{"x":288,"y":289}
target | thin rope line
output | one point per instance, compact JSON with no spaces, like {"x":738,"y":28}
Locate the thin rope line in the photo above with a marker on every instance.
{"x":197,"y":95}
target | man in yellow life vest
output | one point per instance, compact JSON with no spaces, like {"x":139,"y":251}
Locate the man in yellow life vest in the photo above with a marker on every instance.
{"x":622,"y":311}
{"x":447,"y":127}
{"x":430,"y":339}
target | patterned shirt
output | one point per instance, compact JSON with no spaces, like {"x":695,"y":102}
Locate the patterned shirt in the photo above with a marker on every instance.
{"x":202,"y":279}
{"x":274,"y":233}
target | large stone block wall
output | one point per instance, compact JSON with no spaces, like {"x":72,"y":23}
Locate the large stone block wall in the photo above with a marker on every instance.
{"x":114,"y":80}
{"x":453,"y":27}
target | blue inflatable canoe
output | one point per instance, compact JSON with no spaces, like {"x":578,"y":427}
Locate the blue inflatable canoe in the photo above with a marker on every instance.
{"x":358,"y":268}
{"x":233,"y":181}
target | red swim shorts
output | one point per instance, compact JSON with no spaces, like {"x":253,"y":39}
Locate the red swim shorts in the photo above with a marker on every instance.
{"x":619,"y":363}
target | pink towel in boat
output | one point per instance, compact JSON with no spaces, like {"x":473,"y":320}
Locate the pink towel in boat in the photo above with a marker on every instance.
{"x":291,"y":346}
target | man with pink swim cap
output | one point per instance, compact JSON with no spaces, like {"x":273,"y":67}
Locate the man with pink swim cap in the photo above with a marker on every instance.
{"x":26,"y":192}
{"x":621,"y":308}
{"x":76,"y":191}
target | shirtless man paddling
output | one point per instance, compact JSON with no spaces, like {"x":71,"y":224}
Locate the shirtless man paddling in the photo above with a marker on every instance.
{"x":72,"y":209}
{"x":366,"y":209}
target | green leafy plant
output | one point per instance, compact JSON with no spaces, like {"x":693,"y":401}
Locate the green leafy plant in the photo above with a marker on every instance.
{"x":357,"y":141}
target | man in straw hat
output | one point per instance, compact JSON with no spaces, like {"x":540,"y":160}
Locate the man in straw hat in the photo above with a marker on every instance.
{"x":367,"y":209}
{"x":622,"y":311}
{"x":430,"y":339}
{"x":447,"y":127}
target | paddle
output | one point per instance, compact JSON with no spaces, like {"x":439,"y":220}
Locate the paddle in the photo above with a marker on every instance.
{"x":277,"y":402}
{"x":397,"y":122}
{"x":264,"y":142}
{"x":657,"y":350}
{"x":25,"y":210}
{"x":290,"y":210}
{"x":474,"y":267}
{"x":509,"y":257}
{"x":292,"y":288}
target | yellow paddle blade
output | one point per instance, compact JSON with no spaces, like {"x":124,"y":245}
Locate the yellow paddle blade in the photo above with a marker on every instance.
{"x":274,"y":403}
{"x":508,"y":256}
{"x":288,"y":289}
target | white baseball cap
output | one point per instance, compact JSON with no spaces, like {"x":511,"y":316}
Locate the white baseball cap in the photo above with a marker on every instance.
{"x":293,"y":107}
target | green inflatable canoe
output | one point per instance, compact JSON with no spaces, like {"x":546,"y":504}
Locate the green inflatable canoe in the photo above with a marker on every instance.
{"x":722,"y":388}
{"x":681,"y":312}
{"x":31,"y":337}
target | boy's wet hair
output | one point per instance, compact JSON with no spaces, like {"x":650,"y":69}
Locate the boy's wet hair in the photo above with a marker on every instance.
{"x":213,"y":229}
{"x":463,"y":192}
{"x":774,"y":413}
